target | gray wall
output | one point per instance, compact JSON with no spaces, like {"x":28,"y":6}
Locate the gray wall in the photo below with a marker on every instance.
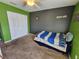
{"x":46,"y":20}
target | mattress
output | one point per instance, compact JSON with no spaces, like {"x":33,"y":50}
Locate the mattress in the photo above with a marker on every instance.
{"x":53,"y":45}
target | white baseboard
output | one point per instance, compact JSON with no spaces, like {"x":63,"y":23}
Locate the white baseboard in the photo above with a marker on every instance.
{"x":69,"y":57}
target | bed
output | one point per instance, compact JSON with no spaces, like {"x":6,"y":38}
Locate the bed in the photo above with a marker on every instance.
{"x":63,"y":49}
{"x":57,"y":40}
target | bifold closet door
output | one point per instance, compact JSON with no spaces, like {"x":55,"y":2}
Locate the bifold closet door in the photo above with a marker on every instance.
{"x":18,"y":24}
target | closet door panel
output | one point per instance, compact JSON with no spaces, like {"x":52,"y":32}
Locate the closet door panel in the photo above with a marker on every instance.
{"x":11,"y":24}
{"x":18,"y":24}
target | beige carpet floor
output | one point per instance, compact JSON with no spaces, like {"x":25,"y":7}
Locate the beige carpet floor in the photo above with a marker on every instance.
{"x":26,"y":48}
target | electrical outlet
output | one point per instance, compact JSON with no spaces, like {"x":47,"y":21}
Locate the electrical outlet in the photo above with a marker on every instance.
{"x":76,"y":57}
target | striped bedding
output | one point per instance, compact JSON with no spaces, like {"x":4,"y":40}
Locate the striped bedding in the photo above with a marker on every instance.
{"x":52,"y":38}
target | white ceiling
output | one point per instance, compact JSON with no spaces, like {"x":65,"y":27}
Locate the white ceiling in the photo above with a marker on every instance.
{"x":44,"y":4}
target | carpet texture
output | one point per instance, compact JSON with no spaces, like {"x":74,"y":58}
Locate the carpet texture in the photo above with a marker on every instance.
{"x":26,"y":48}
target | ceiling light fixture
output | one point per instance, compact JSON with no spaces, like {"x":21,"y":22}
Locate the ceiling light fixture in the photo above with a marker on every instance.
{"x":30,"y":2}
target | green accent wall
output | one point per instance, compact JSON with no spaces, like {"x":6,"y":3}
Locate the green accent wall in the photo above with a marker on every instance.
{"x":74,"y":28}
{"x":4,"y":19}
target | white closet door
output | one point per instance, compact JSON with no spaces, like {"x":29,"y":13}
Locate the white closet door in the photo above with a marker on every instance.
{"x":18,"y":24}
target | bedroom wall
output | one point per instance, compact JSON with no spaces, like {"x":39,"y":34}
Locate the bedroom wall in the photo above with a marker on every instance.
{"x":1,"y":32}
{"x":46,"y":20}
{"x":74,"y":29}
{"x":4,"y":19}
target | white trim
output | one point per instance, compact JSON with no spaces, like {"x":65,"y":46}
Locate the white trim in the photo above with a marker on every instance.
{"x":69,"y":57}
{"x":1,"y":56}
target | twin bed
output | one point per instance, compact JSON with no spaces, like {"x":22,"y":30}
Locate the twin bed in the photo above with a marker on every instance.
{"x":55,"y":40}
